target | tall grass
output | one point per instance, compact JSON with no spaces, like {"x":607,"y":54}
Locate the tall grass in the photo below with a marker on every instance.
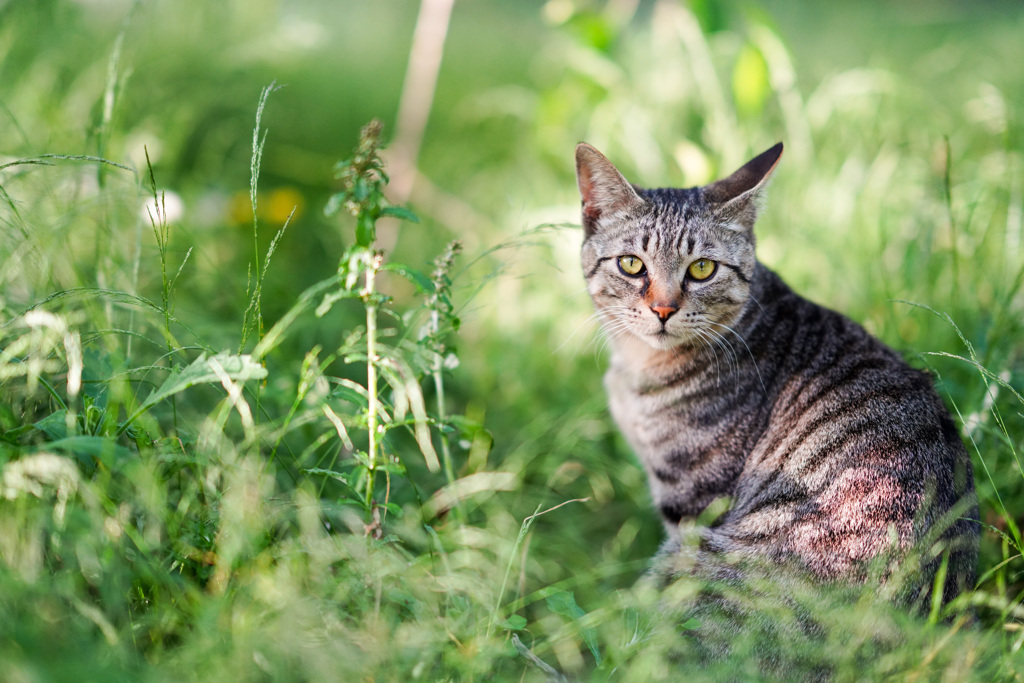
{"x":227,"y":455}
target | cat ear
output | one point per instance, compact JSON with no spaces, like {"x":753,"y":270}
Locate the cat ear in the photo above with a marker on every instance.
{"x":737,"y":194}
{"x":603,"y":189}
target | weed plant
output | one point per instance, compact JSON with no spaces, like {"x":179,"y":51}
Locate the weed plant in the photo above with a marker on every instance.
{"x":222,"y":462}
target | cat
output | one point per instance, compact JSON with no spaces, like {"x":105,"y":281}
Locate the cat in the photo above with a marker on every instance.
{"x":728,"y":385}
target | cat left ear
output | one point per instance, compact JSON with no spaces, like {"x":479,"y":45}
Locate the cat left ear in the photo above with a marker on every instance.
{"x":736,"y":194}
{"x":603,"y":189}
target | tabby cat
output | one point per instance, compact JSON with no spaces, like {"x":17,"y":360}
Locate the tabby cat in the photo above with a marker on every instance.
{"x":727,"y":384}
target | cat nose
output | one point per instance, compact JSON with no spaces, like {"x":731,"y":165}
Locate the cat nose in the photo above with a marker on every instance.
{"x":664,"y":311}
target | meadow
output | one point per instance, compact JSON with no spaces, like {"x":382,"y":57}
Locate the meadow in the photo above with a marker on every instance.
{"x":298,"y":376}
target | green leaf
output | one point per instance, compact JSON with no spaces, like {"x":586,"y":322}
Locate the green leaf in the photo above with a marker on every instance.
{"x":201,"y":371}
{"x":340,"y":476}
{"x":750,"y":81}
{"x":392,"y":468}
{"x":366,"y":230}
{"x":54,"y":425}
{"x":361,"y":458}
{"x":401,"y":213}
{"x":360,"y":189}
{"x":342,"y":166}
{"x":596,"y":30}
{"x":87,"y":447}
{"x":8,"y":420}
{"x":392,"y":508}
{"x":424,"y":285}
{"x":334,"y":203}
{"x":690,"y":625}
{"x":564,"y":603}
{"x":347,"y":393}
{"x":329,"y":300}
{"x":513,"y":623}
{"x":710,"y":14}
{"x":467,"y":427}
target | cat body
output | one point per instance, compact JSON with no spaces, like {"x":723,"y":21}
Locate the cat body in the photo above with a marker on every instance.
{"x":726,"y":383}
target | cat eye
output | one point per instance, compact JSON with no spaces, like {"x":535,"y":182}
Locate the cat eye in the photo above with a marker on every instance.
{"x":631,"y":265}
{"x":702,"y":269}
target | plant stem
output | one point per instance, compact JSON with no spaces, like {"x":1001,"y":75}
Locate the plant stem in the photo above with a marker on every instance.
{"x":947,"y":186}
{"x":370,"y":300}
{"x":418,"y":93}
{"x":438,"y":300}
{"x":446,"y":455}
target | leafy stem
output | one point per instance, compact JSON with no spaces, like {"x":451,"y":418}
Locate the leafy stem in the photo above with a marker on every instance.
{"x":442,"y":315}
{"x":362,"y":196}
{"x":369,"y":296}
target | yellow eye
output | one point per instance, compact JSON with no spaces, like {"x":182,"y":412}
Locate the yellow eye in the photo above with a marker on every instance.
{"x":631,"y":265}
{"x":702,"y":269}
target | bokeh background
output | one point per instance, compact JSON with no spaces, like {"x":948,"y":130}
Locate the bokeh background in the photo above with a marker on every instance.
{"x":902,"y":181}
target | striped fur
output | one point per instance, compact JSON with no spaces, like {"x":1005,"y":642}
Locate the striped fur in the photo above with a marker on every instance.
{"x":831,"y":449}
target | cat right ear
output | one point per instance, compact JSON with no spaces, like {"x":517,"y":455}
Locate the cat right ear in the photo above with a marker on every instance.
{"x":603,"y":190}
{"x":738,"y":193}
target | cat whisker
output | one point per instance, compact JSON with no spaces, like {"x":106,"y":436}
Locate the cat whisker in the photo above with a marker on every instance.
{"x":615,"y":331}
{"x":611,"y":331}
{"x":607,"y":318}
{"x":732,"y":349}
{"x":734,"y":361}
{"x":754,"y":299}
{"x":727,"y":345}
{"x":609,"y":337}
{"x":730,"y":354}
{"x":749,"y":352}
{"x":707,"y":344}
{"x":591,"y":318}
{"x":731,"y":359}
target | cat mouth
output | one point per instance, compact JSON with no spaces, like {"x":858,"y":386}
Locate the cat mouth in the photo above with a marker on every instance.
{"x":664,"y":339}
{"x":672,"y":336}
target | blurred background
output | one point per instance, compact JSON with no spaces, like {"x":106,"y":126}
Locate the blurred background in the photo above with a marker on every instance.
{"x":902,"y":181}
{"x":868,"y":96}
{"x":875,"y":102}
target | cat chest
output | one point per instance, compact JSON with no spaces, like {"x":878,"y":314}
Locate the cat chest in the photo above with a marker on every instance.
{"x":684,"y":441}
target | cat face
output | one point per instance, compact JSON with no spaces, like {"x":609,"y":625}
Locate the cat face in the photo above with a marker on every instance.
{"x":669,"y":267}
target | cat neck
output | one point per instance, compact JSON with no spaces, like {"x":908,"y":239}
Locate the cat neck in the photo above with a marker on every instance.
{"x":639,"y":358}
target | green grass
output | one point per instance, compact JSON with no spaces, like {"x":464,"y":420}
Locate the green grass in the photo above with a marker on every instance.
{"x":189,"y":487}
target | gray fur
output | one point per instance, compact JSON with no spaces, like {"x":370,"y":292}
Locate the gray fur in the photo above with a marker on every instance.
{"x":832,"y":450}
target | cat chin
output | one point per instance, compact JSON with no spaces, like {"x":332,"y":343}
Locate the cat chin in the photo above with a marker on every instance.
{"x":666,"y":341}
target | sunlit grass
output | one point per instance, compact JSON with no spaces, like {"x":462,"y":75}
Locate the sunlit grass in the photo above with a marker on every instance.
{"x":189,"y":488}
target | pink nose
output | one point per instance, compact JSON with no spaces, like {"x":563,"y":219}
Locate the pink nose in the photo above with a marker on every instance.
{"x":663,"y":312}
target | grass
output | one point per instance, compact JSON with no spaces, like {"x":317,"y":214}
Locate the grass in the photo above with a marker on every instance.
{"x":245,"y":440}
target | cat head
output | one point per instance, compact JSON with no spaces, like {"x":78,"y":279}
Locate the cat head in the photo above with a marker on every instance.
{"x":671,"y":267}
